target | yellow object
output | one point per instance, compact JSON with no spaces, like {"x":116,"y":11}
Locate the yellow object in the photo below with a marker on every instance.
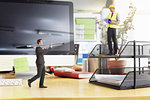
{"x":111,"y":6}
{"x":113,"y":18}
{"x":21,"y":64}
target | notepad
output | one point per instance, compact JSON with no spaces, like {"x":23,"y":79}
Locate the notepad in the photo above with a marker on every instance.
{"x":107,"y":20}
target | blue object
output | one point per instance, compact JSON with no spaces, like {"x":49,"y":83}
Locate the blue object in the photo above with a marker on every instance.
{"x":85,"y":55}
{"x":80,"y":60}
{"x":107,"y":20}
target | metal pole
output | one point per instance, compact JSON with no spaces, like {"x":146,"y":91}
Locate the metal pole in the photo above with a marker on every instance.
{"x":142,"y":50}
{"x":139,"y":52}
{"x":134,"y":51}
{"x":54,"y":44}
{"x":100,"y":64}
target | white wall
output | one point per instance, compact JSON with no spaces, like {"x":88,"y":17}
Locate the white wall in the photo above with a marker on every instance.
{"x":141,"y":19}
{"x":50,"y":60}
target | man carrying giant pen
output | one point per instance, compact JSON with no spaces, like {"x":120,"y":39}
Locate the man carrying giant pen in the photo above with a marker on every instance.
{"x":113,"y":21}
{"x":40,"y":64}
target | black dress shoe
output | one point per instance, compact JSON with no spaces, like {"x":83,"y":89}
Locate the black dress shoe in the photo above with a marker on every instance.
{"x":29,"y":83}
{"x":42,"y":86}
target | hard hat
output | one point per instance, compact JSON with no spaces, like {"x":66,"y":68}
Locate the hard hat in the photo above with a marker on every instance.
{"x":111,"y":6}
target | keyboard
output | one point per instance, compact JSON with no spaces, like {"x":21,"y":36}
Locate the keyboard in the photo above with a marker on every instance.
{"x":8,"y":82}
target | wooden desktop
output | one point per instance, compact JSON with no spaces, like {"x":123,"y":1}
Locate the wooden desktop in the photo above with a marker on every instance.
{"x":69,"y":89}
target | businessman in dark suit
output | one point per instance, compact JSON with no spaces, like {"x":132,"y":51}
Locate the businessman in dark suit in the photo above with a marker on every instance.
{"x":40,"y":64}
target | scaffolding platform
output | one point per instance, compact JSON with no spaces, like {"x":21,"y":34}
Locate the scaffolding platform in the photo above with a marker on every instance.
{"x":134,"y":76}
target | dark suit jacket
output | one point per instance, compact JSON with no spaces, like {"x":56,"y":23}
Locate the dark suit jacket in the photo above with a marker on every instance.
{"x":40,"y":55}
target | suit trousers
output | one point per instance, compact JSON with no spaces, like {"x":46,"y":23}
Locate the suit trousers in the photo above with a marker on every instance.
{"x":40,"y":74}
{"x":111,"y":36}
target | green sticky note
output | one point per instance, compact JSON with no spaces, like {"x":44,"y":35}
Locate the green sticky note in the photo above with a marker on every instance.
{"x":21,"y":64}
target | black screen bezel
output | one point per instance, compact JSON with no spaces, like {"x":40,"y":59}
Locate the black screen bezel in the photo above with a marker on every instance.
{"x":70,"y":4}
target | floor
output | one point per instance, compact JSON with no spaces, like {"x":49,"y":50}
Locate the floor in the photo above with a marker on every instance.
{"x":69,"y":89}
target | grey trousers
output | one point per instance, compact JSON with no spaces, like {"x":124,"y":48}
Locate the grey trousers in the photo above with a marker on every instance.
{"x":40,"y":74}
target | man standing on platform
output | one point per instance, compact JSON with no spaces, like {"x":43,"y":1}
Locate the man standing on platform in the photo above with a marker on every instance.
{"x":113,"y":21}
{"x":40,"y":64}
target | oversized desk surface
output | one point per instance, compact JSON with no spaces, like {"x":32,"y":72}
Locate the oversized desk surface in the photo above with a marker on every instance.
{"x":70,"y":89}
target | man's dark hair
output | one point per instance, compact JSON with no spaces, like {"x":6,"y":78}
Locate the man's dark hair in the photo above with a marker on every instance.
{"x":38,"y":41}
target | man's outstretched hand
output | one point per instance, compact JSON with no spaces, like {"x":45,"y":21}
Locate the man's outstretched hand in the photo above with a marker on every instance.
{"x":51,"y":45}
{"x":97,"y":21}
{"x":45,"y":47}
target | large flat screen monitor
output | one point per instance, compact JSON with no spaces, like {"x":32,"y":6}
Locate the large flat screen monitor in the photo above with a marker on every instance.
{"x":22,"y":22}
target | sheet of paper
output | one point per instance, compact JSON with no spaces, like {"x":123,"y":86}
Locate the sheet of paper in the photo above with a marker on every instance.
{"x":79,"y":26}
{"x":88,"y":25}
{"x":110,"y":79}
{"x":21,"y":64}
{"x":80,"y":31}
{"x":6,"y":63}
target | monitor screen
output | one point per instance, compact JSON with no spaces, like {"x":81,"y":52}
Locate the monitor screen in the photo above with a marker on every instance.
{"x":22,"y":22}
